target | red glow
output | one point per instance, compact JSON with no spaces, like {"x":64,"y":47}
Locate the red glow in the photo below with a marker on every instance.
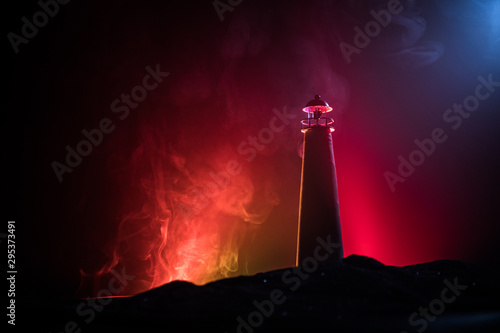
{"x":376,"y":223}
{"x":357,"y":211}
{"x":195,"y":214}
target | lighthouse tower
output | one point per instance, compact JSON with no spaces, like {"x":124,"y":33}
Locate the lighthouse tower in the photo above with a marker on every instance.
{"x":319,"y":204}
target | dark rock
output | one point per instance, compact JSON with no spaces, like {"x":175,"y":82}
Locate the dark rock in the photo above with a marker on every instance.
{"x":356,"y":294}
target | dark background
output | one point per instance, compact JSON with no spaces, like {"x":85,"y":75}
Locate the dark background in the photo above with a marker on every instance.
{"x":225,"y":79}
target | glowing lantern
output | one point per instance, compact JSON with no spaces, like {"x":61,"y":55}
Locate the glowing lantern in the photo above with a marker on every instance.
{"x":315,"y":110}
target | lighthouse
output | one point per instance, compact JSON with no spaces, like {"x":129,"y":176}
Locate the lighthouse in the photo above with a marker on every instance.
{"x":319,"y":217}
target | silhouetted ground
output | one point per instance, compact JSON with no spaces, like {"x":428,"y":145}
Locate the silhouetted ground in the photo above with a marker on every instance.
{"x":356,"y":294}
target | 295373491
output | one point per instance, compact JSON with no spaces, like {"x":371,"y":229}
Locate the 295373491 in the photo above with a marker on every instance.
{"x":11,"y":272}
